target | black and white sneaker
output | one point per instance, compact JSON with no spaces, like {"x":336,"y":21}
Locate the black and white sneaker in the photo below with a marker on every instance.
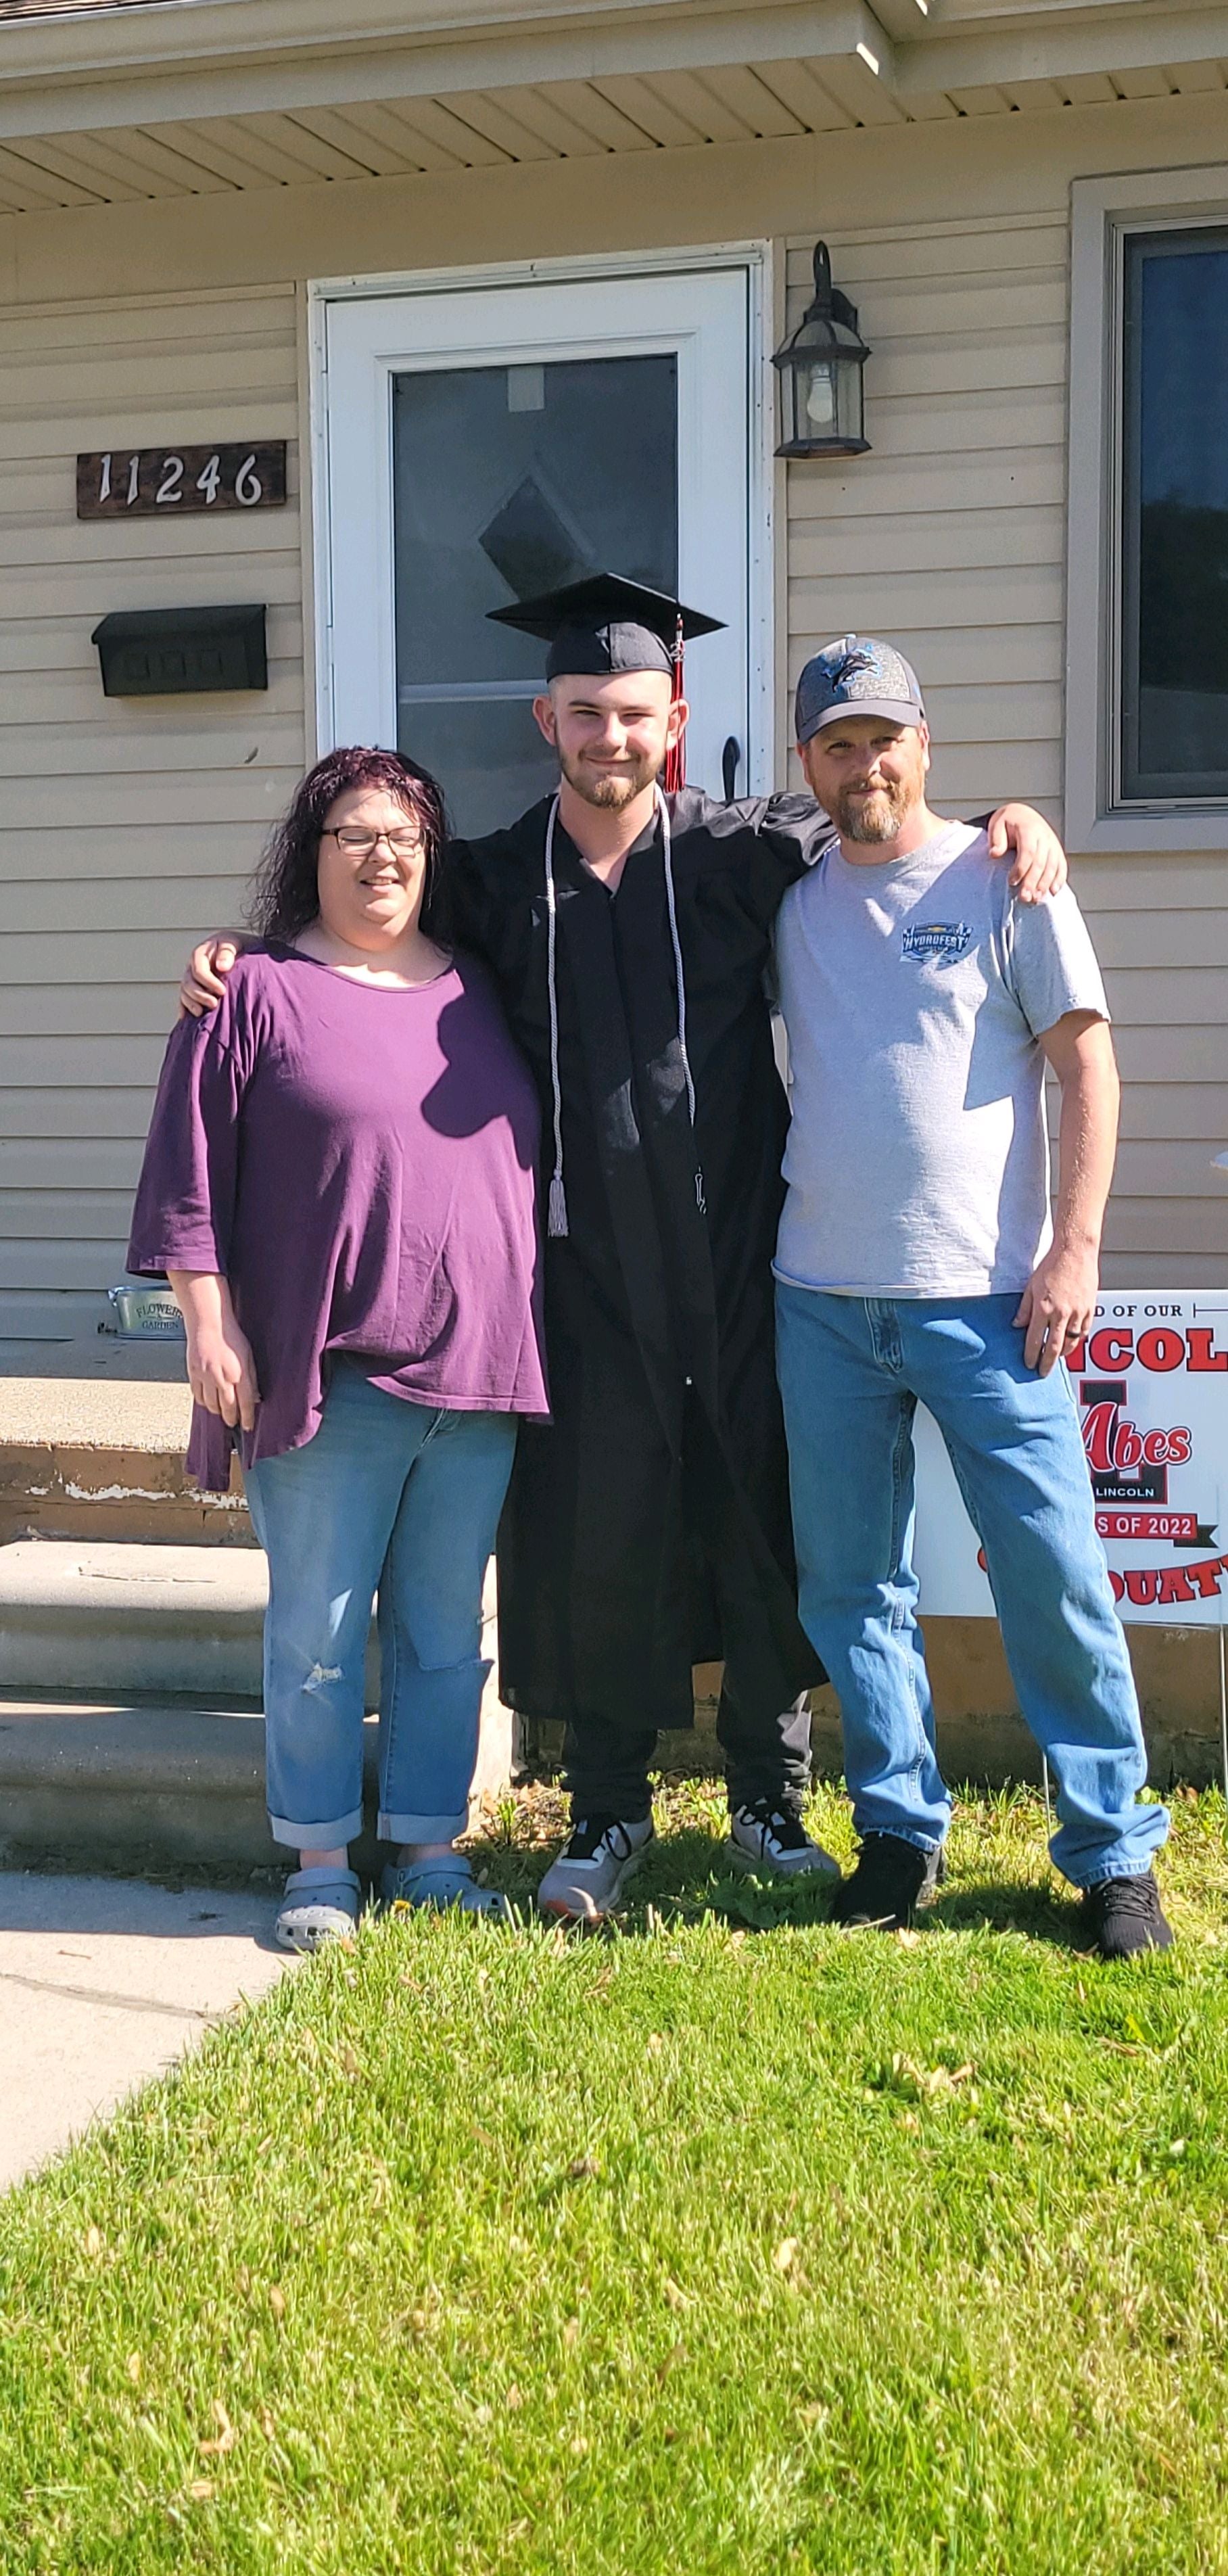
{"x":772,"y":1837}
{"x":1124,"y":1916}
{"x":891,"y":1880}
{"x":585,"y":1882}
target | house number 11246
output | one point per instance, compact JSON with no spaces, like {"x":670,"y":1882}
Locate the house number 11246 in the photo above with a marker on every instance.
{"x":157,"y":482}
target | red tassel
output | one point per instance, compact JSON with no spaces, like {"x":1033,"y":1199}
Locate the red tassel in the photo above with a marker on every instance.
{"x":674,"y":775}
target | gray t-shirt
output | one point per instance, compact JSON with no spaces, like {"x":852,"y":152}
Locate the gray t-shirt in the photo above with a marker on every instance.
{"x":914,"y":991}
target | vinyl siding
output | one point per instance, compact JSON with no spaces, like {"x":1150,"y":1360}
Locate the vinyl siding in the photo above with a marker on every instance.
{"x":125,"y":830}
{"x":950,"y":538}
{"x":129,"y":826}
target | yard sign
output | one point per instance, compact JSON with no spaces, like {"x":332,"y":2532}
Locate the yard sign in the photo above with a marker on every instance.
{"x":1151,"y":1383}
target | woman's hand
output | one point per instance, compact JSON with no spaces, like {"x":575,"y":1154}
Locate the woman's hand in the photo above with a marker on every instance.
{"x":221,"y":1370}
{"x":204,"y":978}
{"x":1039,"y":864}
{"x":222,"y":1374}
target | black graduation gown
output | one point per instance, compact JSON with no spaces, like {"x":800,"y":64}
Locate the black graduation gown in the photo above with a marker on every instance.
{"x":647,"y":1526}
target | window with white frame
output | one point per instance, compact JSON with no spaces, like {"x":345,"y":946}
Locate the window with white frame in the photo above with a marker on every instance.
{"x":1174,"y":519}
{"x":1147,"y":667}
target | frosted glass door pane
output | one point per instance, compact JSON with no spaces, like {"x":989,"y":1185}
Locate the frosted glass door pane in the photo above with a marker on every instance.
{"x":508,"y":480}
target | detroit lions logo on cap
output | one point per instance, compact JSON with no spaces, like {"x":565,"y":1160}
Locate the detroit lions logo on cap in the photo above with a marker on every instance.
{"x":857,"y":675}
{"x":942,"y":941}
{"x":863,"y":668}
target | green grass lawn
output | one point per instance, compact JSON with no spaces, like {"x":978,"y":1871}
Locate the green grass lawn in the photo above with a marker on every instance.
{"x":726,"y":2243}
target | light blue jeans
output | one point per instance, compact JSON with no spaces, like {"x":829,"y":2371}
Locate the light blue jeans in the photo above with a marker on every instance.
{"x":852,"y":1370}
{"x":405,"y":1497}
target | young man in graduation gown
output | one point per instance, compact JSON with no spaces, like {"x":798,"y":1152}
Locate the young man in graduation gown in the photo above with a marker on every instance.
{"x":647,"y":1528}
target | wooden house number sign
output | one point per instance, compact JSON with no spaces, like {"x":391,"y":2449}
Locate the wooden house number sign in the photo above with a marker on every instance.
{"x":163,"y":482}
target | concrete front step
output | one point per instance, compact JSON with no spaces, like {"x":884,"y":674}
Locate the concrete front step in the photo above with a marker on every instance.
{"x":64,"y":1489}
{"x":96,"y":1644}
{"x":119,"y":1617}
{"x":109,"y":1617}
{"x":102,"y":1458}
{"x":132,"y":1786}
{"x":149,"y":1786}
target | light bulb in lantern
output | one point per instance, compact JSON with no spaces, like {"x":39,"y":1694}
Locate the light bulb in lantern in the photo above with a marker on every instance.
{"x":821,"y":398}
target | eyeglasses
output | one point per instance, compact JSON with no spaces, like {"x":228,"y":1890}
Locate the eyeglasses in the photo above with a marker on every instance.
{"x":360,"y":845}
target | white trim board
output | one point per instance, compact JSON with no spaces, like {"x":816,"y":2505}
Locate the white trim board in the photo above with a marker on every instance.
{"x":565,"y":267}
{"x":1103,"y":211}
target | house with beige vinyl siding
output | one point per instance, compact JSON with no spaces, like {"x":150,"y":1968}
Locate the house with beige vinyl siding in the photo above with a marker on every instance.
{"x":507,"y":276}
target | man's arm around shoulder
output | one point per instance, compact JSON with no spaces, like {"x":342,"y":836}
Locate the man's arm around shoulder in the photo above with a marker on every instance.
{"x":204,"y":976}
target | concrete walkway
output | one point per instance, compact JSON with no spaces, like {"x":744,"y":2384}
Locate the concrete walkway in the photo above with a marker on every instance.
{"x":104,"y":1982}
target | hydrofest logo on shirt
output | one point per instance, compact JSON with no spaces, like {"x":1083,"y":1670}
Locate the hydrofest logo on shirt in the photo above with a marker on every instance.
{"x":940,"y":941}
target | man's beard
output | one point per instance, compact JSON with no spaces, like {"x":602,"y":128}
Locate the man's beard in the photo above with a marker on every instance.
{"x":878,"y":816}
{"x":609,"y":789}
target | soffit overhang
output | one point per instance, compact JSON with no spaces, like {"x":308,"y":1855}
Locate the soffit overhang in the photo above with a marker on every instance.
{"x":125,"y":99}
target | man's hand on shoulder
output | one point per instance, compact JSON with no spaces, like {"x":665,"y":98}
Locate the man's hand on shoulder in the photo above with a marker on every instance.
{"x":1038,"y":867}
{"x":204,"y":977}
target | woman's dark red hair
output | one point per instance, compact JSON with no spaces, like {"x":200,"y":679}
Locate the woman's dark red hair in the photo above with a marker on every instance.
{"x":285,"y":893}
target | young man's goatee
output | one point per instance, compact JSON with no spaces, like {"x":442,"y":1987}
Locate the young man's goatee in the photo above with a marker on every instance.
{"x":606,"y":788}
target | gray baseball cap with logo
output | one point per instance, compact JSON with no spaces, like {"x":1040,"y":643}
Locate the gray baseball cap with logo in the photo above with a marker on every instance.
{"x":857,"y":676}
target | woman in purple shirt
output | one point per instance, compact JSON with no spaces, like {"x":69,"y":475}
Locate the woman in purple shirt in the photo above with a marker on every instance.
{"x":340,"y":1183}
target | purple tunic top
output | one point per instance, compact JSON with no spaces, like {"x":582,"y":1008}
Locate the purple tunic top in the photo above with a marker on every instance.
{"x":359,"y":1163}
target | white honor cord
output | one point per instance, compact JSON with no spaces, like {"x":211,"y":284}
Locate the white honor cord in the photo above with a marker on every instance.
{"x":680,"y":979}
{"x":556,"y":1218}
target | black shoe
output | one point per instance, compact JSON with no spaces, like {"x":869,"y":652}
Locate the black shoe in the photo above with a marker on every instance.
{"x":891,"y":1880}
{"x":1124,"y":1915}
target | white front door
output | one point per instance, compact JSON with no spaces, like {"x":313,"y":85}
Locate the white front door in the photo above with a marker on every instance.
{"x":483,"y":444}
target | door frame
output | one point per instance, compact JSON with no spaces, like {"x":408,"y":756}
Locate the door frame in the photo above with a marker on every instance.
{"x":756,"y":259}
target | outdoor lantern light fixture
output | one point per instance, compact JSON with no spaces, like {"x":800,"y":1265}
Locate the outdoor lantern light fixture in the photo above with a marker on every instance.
{"x":820,"y":374}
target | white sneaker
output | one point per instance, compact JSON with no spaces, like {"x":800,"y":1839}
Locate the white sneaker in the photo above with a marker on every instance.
{"x":585,"y":1882}
{"x":771,"y":1837}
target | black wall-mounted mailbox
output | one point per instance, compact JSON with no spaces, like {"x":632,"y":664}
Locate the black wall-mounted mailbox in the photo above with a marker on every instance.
{"x":178,"y":652}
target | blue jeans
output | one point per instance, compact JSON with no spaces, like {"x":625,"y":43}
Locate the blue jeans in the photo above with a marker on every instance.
{"x":407,"y":1498}
{"x":852,"y":1370}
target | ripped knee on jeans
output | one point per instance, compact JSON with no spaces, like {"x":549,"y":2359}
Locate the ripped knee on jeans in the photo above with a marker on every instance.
{"x":321,"y":1675}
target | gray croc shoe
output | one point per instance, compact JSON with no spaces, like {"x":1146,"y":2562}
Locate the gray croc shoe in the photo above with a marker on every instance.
{"x":319,"y":1905}
{"x":437,"y":1884}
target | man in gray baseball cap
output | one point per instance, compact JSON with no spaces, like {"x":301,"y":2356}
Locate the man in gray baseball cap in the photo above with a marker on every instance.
{"x":917,"y":1262}
{"x":857,"y":676}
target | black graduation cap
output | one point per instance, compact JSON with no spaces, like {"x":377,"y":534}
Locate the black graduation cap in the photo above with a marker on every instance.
{"x":604,"y":624}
